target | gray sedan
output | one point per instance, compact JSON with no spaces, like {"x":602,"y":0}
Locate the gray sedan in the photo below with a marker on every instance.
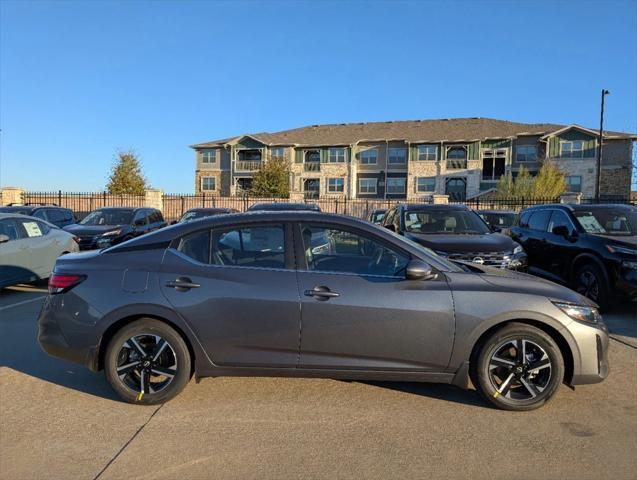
{"x":250,"y":294}
{"x":29,"y":248}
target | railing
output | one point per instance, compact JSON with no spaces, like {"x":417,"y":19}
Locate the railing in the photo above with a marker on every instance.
{"x":312,"y":166}
{"x":82,"y":203}
{"x":456,"y":164}
{"x":247,"y":165}
{"x":311,"y":194}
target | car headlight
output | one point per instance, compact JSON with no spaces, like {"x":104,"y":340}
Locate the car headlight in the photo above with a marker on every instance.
{"x":620,"y":249}
{"x":112,"y":233}
{"x":581,"y":313}
{"x":518,"y":249}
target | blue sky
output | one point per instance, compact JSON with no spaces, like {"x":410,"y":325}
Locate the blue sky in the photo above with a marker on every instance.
{"x":79,"y":80}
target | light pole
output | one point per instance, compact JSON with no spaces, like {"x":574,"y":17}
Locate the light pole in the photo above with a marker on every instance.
{"x":598,"y":183}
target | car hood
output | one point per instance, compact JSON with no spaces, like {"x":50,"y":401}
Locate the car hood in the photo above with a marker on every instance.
{"x":515,"y":282}
{"x":628,"y":240}
{"x":78,"y":229}
{"x":490,"y":242}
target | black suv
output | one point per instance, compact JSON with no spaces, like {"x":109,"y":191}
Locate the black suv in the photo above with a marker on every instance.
{"x":592,"y":248}
{"x":456,"y":232}
{"x":112,"y":225}
{"x":58,"y":216}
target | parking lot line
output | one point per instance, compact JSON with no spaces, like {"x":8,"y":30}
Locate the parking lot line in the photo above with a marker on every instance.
{"x":6,"y":307}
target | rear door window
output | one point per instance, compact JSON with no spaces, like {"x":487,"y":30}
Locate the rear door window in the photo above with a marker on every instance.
{"x":34,"y":228}
{"x":196,"y":246}
{"x":559,"y":219}
{"x":256,"y":247}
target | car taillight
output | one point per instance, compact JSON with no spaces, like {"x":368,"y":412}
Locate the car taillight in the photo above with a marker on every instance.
{"x":60,"y":283}
{"x":77,"y":240}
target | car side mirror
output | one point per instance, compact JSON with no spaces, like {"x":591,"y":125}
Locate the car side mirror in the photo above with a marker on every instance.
{"x":562,"y":231}
{"x":4,"y":238}
{"x":419,"y":270}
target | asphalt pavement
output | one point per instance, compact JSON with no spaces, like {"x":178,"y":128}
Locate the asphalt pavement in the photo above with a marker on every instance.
{"x":60,"y":421}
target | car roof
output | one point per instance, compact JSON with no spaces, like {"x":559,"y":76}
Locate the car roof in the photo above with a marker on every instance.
{"x":9,"y":208}
{"x":209,"y":209}
{"x":4,"y":215}
{"x":597,"y":206}
{"x":284,"y":206}
{"x":427,"y":206}
{"x":496,"y":211}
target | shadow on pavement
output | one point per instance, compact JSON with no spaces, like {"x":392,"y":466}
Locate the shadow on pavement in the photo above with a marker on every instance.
{"x":20,"y":351}
{"x":438,"y":391}
{"x":621,"y":319}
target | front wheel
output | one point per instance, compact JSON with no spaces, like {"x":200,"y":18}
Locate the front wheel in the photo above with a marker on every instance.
{"x":519,"y":367}
{"x":147,"y":362}
{"x":590,"y":281}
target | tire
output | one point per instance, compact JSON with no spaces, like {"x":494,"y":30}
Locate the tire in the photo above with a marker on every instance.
{"x":510,"y":383}
{"x":150,"y":352}
{"x":591,"y":282}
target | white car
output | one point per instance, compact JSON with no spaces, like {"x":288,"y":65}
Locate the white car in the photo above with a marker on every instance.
{"x":29,"y":248}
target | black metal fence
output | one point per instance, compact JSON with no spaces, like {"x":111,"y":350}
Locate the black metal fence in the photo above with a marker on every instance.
{"x":175,"y":205}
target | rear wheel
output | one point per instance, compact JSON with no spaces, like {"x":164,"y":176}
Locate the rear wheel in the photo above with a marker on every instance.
{"x":590,"y":281}
{"x":519,"y":367}
{"x":147,"y":362}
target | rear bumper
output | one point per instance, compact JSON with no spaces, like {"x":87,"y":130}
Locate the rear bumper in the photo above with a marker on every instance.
{"x":55,"y":343}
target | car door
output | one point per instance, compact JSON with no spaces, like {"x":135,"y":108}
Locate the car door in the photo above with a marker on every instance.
{"x":43,"y":248}
{"x":236,"y":287}
{"x":531,"y":234}
{"x":561,"y":249}
{"x":358,"y":311}
{"x":15,"y":263}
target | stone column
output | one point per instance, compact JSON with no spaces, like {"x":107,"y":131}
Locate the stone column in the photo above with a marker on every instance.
{"x":154,"y":198}
{"x":11,"y":195}
{"x":571,"y":198}
{"x":440,"y":199}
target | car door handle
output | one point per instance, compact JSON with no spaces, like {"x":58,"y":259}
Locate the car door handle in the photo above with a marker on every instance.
{"x":321,"y":293}
{"x":182,"y":284}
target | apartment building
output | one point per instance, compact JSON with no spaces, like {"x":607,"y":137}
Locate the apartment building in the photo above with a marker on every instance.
{"x":462,"y":158}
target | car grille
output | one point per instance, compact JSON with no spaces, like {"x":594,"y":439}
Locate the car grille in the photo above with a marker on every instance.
{"x":87,"y":241}
{"x":490,"y":259}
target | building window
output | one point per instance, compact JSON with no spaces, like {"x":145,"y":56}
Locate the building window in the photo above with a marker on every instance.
{"x":369,"y":157}
{"x":574,"y":184}
{"x":427,"y":152}
{"x":208,"y":156}
{"x":457,"y":153}
{"x":425,"y":184}
{"x":336,"y":155}
{"x":335,"y":185}
{"x":397,"y":156}
{"x":208,"y":184}
{"x":396,"y":185}
{"x":526,"y":153}
{"x":312,"y":156}
{"x":367,"y":185}
{"x":277,"y":153}
{"x":573,"y":149}
{"x":493,"y":162}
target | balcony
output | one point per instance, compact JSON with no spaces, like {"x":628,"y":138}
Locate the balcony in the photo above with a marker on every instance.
{"x":312,"y":167}
{"x":456,"y":164}
{"x":247,"y":165}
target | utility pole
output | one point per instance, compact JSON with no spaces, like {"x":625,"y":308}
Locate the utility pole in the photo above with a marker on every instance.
{"x":598,"y":183}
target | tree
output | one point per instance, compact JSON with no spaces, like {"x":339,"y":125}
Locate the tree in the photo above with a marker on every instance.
{"x":272,"y":179}
{"x":126,"y":175}
{"x":549,"y":183}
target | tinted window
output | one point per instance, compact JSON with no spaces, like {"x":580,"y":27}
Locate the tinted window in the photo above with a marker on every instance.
{"x":57,"y":216}
{"x":334,"y":250}
{"x":10,"y":228}
{"x":249,"y":247}
{"x":141,"y":218}
{"x":524,"y":219}
{"x":196,"y":246}
{"x":559,"y":219}
{"x":108,"y":216}
{"x":39,"y":214}
{"x":539,"y":220}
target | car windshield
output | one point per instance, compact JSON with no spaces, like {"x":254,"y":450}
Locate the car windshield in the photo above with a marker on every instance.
{"x":502,"y":220}
{"x":108,"y":217}
{"x":377,"y":217}
{"x":194,"y":215}
{"x":444,"y":221}
{"x":608,"y":221}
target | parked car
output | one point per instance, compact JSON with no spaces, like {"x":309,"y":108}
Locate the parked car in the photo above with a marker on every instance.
{"x":58,"y":216}
{"x":455,"y":232}
{"x":197,"y":213}
{"x":284,"y":206}
{"x":592,"y":248}
{"x":376,"y":216}
{"x":499,"y":220}
{"x":29,"y":248}
{"x":227,"y":295}
{"x":109,"y":226}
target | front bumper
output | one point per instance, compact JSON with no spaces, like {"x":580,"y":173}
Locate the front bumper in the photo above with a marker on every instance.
{"x":591,"y":359}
